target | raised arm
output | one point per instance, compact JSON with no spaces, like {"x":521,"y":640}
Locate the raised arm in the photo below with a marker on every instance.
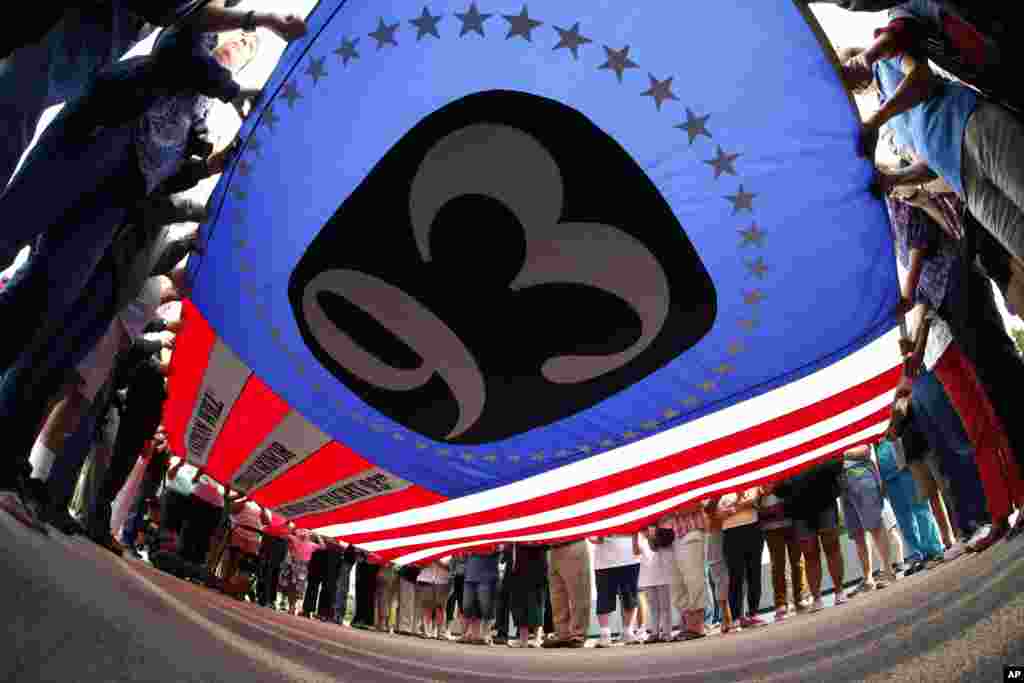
{"x":917,"y":86}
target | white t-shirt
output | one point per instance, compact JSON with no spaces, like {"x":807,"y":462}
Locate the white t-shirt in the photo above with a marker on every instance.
{"x":182,"y":482}
{"x":655,"y":565}
{"x":940,"y":336}
{"x":616,"y":551}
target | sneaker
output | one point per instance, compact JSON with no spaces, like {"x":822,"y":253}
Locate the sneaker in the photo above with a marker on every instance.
{"x":752,"y":622}
{"x":555,"y":643}
{"x":576,"y":643}
{"x":980,"y":533}
{"x":500,"y":640}
{"x":606,"y":641}
{"x":781,"y":613}
{"x":864,"y":587}
{"x":817,"y":604}
{"x":534,"y":643}
{"x":517,"y":643}
{"x":954,"y":551}
{"x":630,"y":638}
{"x":841,"y":598}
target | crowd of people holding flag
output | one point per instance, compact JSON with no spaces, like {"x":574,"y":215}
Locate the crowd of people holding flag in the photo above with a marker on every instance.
{"x":102,"y":200}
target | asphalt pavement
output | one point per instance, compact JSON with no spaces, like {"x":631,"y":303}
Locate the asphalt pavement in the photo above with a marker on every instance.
{"x":78,"y":613}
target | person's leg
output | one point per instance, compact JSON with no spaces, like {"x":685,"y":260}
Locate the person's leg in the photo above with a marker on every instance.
{"x":143,"y":411}
{"x":558,"y":592}
{"x":502,"y":609}
{"x":1000,"y":476}
{"x":881,"y":538}
{"x":797,"y":568}
{"x":776,"y":540}
{"x":938,"y":420}
{"x":579,"y":573}
{"x":606,"y":599}
{"x":994,"y":174}
{"x":754,"y":551}
{"x":901,"y":496}
{"x":24,"y":96}
{"x":732,"y":542}
{"x":629,"y":592}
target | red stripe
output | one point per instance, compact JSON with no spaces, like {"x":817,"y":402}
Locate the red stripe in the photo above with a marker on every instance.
{"x":254,"y":415}
{"x":878,"y":417}
{"x":188,"y":367}
{"x":332,"y":463}
{"x":406,"y":499}
{"x":766,"y":431}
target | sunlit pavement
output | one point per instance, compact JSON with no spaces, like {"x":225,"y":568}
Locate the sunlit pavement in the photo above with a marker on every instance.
{"x":77,"y":613}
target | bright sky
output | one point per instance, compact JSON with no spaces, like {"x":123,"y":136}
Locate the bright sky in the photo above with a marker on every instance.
{"x":844,"y":29}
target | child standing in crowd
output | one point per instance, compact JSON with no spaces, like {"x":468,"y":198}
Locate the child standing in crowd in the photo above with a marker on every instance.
{"x":782,"y":542}
{"x":527,"y":575}
{"x":431,"y":595}
{"x":656,"y":579}
{"x":915,"y":518}
{"x":717,"y":566}
{"x":617,"y":565}
{"x":863,"y":501}
{"x":744,"y":545}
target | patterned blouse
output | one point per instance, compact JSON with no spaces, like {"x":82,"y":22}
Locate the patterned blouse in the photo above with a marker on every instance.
{"x":684,"y":521}
{"x":162,"y":137}
{"x":914,"y":229}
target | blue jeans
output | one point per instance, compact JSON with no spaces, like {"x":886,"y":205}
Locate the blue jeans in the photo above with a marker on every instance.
{"x":941,"y":425}
{"x":478,"y":598}
{"x":40,"y":371}
{"x":917,"y":523}
{"x":57,"y":69}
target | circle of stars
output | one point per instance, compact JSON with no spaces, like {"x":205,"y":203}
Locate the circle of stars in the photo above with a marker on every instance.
{"x":573,"y":41}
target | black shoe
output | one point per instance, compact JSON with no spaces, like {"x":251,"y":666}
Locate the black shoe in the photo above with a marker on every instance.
{"x":554,"y":643}
{"x":500,"y":640}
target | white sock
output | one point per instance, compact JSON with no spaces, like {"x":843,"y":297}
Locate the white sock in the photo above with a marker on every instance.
{"x":42,"y":459}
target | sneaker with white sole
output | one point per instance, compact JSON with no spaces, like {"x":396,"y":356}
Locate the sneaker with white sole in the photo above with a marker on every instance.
{"x":606,"y":640}
{"x":816,"y":605}
{"x":630,"y":638}
{"x":979,"y":534}
{"x":841,"y":598}
{"x":781,"y":613}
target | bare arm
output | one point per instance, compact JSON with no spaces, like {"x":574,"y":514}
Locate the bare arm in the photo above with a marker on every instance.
{"x":213,"y":19}
{"x":917,"y":86}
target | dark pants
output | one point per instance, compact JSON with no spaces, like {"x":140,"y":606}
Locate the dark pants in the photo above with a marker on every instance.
{"x":503,"y":607}
{"x":200,"y":525}
{"x":315,"y":579}
{"x":174,"y":510}
{"x":938,"y":420}
{"x":272,"y":553}
{"x":341,"y":587}
{"x":455,"y":597}
{"x":333,"y":560}
{"x":970,"y":309}
{"x":366,"y":589}
{"x":549,"y":619}
{"x":141,"y":417}
{"x":68,"y":466}
{"x":156,"y":470}
{"x":743,"y":547}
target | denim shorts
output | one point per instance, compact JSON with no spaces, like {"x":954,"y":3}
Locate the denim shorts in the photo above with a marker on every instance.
{"x":478,"y":599}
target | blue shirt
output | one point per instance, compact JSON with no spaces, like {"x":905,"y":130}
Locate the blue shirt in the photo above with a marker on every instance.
{"x":934,"y":129}
{"x":887,"y":465}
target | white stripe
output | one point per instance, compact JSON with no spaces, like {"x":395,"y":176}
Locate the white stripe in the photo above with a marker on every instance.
{"x":594,"y":528}
{"x":223,"y":380}
{"x":292,"y":441}
{"x":874,"y":359}
{"x":690,"y":474}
